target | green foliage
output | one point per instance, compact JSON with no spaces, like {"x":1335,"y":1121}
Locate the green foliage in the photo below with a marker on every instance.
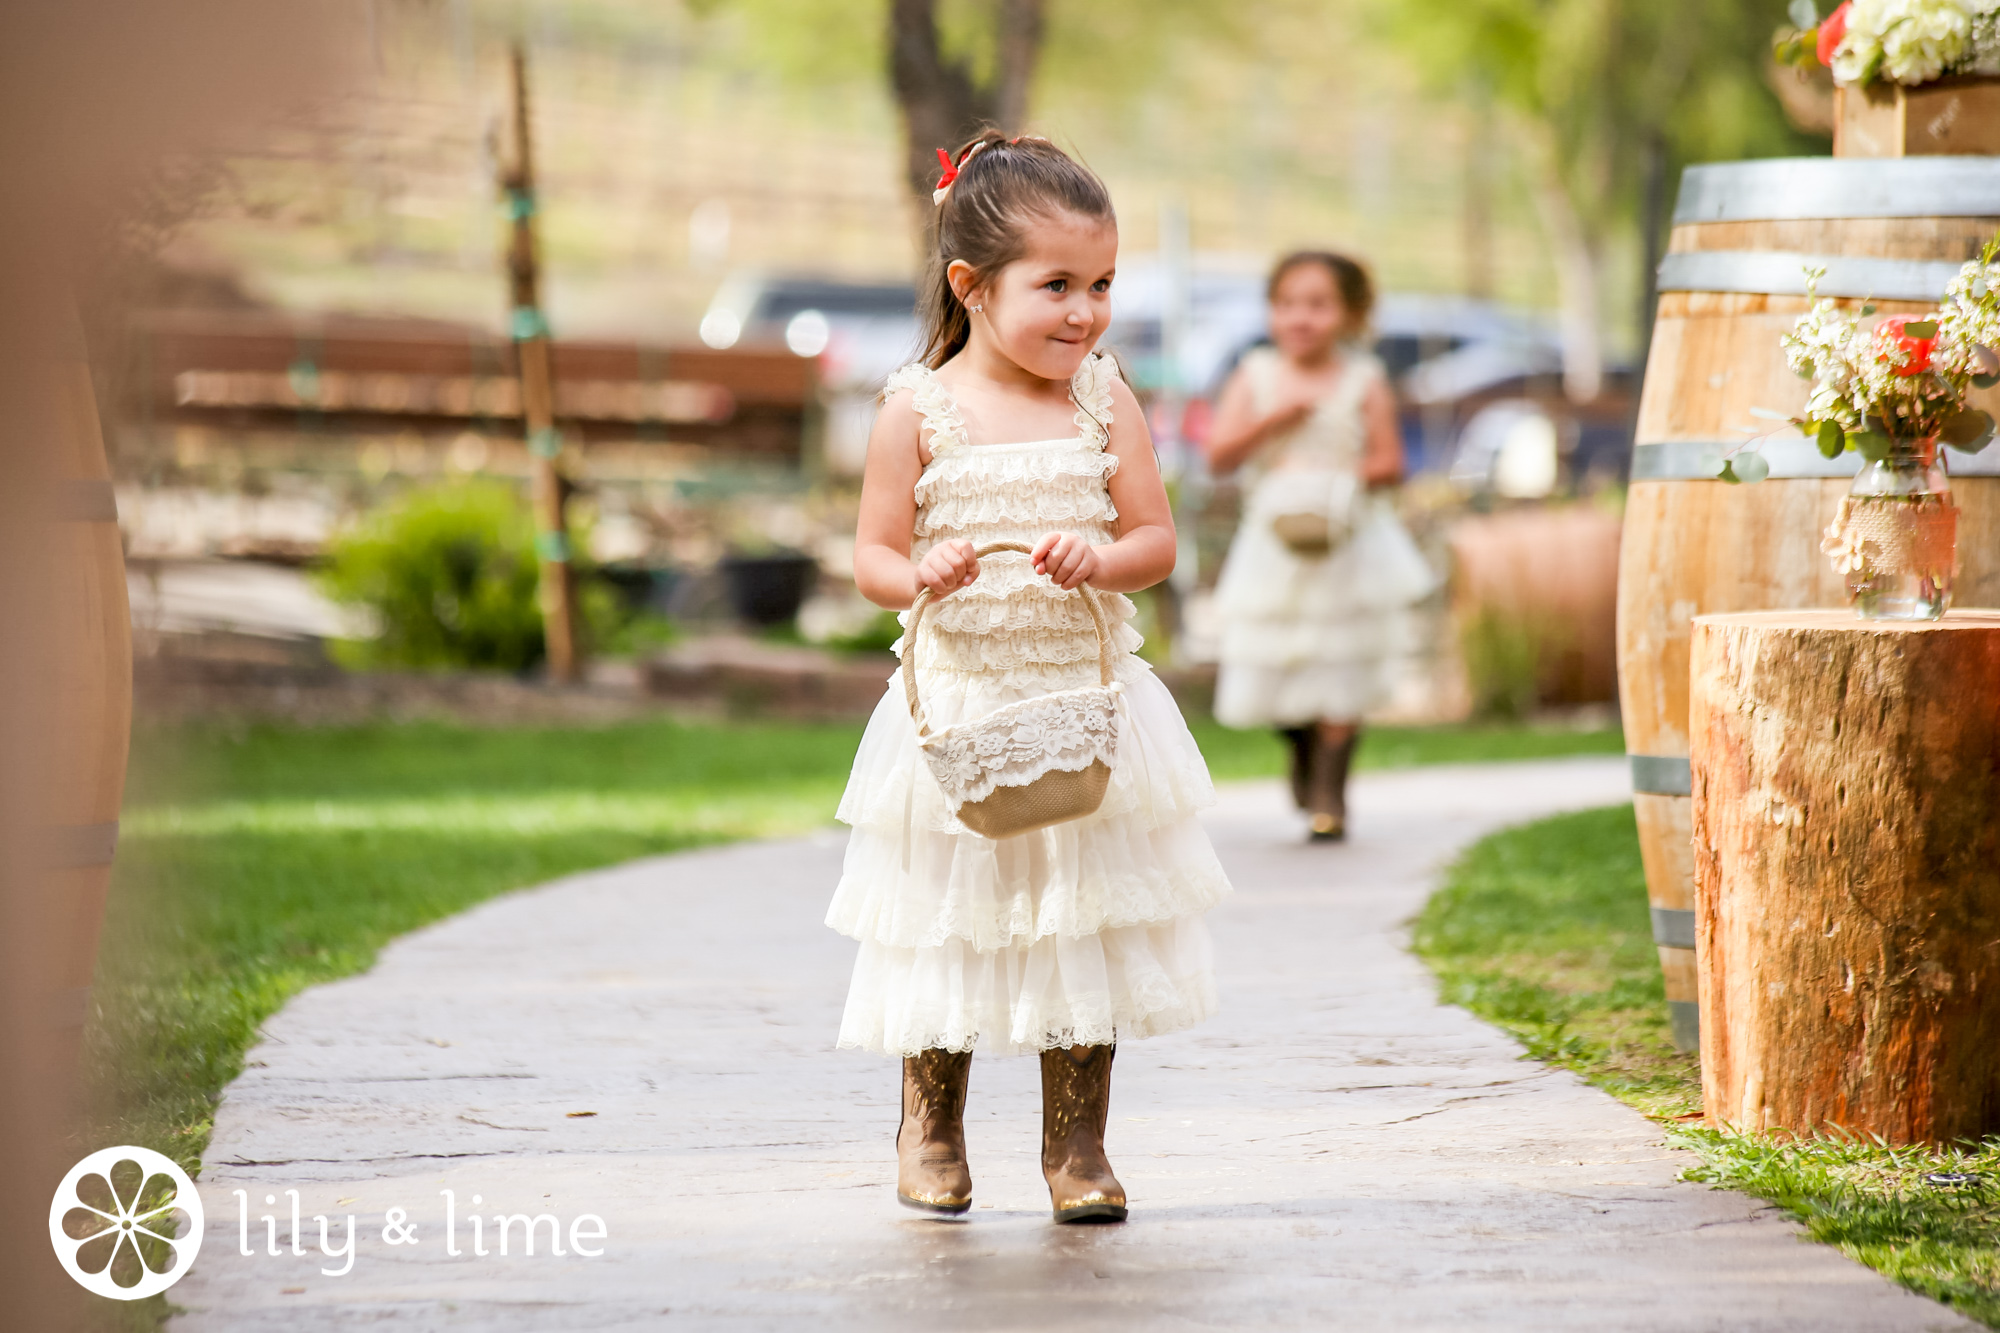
{"x":877,"y":636}
{"x":1259,"y":754}
{"x":1544,"y":931}
{"x":1873,"y":1202}
{"x":1600,"y":79}
{"x":1502,"y":651}
{"x":449,"y":572}
{"x":1107,"y":50}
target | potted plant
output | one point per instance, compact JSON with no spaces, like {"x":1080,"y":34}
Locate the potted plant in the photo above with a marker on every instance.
{"x":1893,"y":390}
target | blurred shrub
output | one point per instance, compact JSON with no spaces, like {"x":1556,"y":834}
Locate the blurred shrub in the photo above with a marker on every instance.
{"x":1502,"y":651}
{"x":450,"y":573}
{"x":881,"y":630}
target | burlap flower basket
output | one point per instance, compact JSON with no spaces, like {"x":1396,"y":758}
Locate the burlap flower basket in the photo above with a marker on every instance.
{"x":1031,"y":764}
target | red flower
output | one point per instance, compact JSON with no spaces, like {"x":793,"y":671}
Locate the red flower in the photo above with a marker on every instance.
{"x":1831,"y":29}
{"x":1917,"y":350}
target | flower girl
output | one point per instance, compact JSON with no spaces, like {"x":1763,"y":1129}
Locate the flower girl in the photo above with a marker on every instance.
{"x":1314,"y":594}
{"x":1012,"y":430}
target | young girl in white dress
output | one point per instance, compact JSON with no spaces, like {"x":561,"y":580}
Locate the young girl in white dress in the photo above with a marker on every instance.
{"x":1313,"y":593}
{"x":1068,"y":939}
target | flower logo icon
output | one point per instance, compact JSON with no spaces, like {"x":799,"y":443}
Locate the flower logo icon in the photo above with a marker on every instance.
{"x":126,"y":1223}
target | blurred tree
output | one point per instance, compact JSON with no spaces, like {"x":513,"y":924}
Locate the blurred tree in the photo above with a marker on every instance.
{"x":1606,"y":100}
{"x":955,"y":65}
{"x":947,"y":97}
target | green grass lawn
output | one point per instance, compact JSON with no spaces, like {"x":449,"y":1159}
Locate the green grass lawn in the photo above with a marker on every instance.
{"x":1543,"y":930}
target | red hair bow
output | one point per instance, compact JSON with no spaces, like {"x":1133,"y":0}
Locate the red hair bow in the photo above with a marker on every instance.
{"x":950,"y":170}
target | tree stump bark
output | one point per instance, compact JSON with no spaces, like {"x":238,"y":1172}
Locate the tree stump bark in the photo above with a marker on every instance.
{"x":1846,"y":816}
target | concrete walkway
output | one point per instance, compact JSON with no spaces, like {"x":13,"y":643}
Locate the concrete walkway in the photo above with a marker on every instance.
{"x":649,"y":1045}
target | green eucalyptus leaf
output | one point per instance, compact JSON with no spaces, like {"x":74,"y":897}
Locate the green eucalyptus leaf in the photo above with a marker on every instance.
{"x":1750,"y":468}
{"x":1832,"y":441}
{"x":1872,"y":445}
{"x":1921,"y":329}
{"x":1868,"y":309}
{"x":1985,"y":381}
{"x":1803,"y":14}
{"x":1968,"y":429}
{"x":1729,"y":472}
{"x":1710,"y":464}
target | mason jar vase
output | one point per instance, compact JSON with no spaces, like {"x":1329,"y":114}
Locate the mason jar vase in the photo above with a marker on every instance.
{"x":1898,"y":534}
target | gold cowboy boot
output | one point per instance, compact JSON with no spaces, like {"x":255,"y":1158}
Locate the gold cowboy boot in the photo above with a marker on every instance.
{"x":1076,"y":1102}
{"x":931,"y":1172}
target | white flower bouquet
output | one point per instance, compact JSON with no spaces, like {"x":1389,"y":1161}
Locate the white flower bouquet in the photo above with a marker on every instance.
{"x":1909,"y":42}
{"x":1903,"y":381}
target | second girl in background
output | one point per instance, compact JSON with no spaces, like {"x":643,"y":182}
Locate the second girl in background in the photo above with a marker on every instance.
{"x":1312,"y":595}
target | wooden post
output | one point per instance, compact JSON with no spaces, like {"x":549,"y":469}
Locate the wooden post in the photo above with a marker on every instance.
{"x":1846,"y":815}
{"x":530,"y":328}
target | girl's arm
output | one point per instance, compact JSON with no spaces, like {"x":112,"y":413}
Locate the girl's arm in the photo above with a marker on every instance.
{"x":1239,"y":428}
{"x":1382,"y":457}
{"x":882,"y":567}
{"x":1143,"y":553}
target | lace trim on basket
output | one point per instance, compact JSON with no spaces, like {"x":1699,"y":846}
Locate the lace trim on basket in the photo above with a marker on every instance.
{"x":1012,"y":746}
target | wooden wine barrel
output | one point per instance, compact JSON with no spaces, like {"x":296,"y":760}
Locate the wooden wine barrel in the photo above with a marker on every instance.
{"x":89,"y":644}
{"x":1733,"y":281}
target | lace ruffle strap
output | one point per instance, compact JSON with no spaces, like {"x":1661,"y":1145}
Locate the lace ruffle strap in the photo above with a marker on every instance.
{"x":934,"y":403}
{"x":1090,"y":390}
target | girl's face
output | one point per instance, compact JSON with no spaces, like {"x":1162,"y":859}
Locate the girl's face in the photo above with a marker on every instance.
{"x":1307,"y":314}
{"x":1047,"y":309}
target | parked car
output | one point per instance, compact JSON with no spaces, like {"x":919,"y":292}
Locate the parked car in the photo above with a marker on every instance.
{"x":1450,"y":359}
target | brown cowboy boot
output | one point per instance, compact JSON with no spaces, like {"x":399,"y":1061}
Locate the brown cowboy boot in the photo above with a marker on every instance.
{"x":1299,"y":744}
{"x":1333,"y":754}
{"x":1076,"y":1102}
{"x":931,"y":1172}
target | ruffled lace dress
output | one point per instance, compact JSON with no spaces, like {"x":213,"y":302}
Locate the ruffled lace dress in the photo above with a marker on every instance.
{"x":1084,"y":933}
{"x":1305,"y":638}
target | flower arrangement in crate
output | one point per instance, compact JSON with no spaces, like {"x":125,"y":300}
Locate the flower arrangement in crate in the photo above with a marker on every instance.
{"x":1893,"y":391}
{"x":1907,"y":42}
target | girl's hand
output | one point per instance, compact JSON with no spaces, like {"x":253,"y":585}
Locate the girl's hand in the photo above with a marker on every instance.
{"x":1066,"y":558}
{"x":948,"y":567}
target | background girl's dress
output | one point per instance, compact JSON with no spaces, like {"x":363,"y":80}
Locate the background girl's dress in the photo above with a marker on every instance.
{"x":1309,"y":638}
{"x":1080,"y":934}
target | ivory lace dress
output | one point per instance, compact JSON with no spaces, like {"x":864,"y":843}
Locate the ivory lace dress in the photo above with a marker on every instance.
{"x":1305,"y":638}
{"x":1081,"y":934}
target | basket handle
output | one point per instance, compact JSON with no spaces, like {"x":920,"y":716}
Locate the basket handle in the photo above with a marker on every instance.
{"x":1106,"y":655}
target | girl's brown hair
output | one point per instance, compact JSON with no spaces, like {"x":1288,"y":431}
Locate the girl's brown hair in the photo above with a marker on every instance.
{"x":1003,"y":185}
{"x":1350,"y":279}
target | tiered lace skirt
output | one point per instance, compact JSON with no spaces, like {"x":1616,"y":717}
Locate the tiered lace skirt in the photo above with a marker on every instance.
{"x":1081,"y":934}
{"x":1304,"y":639}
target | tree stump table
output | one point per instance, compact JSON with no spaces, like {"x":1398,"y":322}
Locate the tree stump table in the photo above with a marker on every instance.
{"x":1846,"y":815}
